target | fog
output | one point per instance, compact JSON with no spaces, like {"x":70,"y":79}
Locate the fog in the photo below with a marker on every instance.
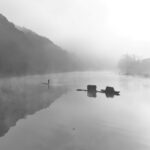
{"x":74,"y":74}
{"x":97,"y":27}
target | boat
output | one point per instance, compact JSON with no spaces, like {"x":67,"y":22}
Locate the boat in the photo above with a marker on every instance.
{"x":110,"y":90}
{"x":91,"y":88}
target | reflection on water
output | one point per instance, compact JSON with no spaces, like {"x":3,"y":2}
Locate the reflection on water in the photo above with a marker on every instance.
{"x":74,"y":121}
{"x":110,"y":95}
{"x":107,"y":94}
{"x":18,"y":102}
{"x":91,"y":93}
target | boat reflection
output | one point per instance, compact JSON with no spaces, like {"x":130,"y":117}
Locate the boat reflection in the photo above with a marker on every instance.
{"x":92,"y":94}
{"x":110,"y":95}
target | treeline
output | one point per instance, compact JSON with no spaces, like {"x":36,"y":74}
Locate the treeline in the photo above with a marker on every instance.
{"x":25,"y":52}
{"x":131,"y":65}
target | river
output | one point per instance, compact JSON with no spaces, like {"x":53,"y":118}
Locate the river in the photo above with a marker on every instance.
{"x":35,"y":117}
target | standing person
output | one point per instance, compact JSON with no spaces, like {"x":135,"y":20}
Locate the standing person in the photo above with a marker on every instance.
{"x":48,"y":83}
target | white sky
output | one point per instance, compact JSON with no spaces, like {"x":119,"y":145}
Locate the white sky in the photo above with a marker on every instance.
{"x":98,"y":27}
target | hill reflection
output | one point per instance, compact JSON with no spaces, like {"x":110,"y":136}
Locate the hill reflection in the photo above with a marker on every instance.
{"x":18,"y":102}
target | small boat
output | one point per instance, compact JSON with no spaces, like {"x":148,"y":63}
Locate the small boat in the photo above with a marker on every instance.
{"x":46,"y":83}
{"x":91,"y":88}
{"x":110,"y":90}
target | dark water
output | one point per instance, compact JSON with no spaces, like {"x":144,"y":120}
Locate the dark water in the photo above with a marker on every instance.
{"x":33,"y":117}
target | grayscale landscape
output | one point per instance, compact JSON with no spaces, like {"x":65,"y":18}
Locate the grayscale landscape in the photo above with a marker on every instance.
{"x":74,"y":75}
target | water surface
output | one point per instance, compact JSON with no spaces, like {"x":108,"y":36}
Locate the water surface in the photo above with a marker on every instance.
{"x":35,"y":117}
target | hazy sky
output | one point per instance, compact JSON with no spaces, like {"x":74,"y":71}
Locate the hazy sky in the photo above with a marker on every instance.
{"x":96,"y":27}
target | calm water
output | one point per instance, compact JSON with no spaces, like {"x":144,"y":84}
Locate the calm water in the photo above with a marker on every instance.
{"x":33,"y":117}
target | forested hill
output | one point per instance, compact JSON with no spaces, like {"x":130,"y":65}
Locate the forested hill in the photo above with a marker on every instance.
{"x":25,"y":52}
{"x":131,"y":65}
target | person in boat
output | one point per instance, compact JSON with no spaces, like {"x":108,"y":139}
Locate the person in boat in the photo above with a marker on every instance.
{"x":47,"y":83}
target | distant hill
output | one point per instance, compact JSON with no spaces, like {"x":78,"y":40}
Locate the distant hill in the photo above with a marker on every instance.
{"x":130,"y":65}
{"x":25,"y":52}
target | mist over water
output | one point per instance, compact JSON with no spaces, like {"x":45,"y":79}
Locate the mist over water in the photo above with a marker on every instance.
{"x":74,"y":75}
{"x":36,"y":117}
